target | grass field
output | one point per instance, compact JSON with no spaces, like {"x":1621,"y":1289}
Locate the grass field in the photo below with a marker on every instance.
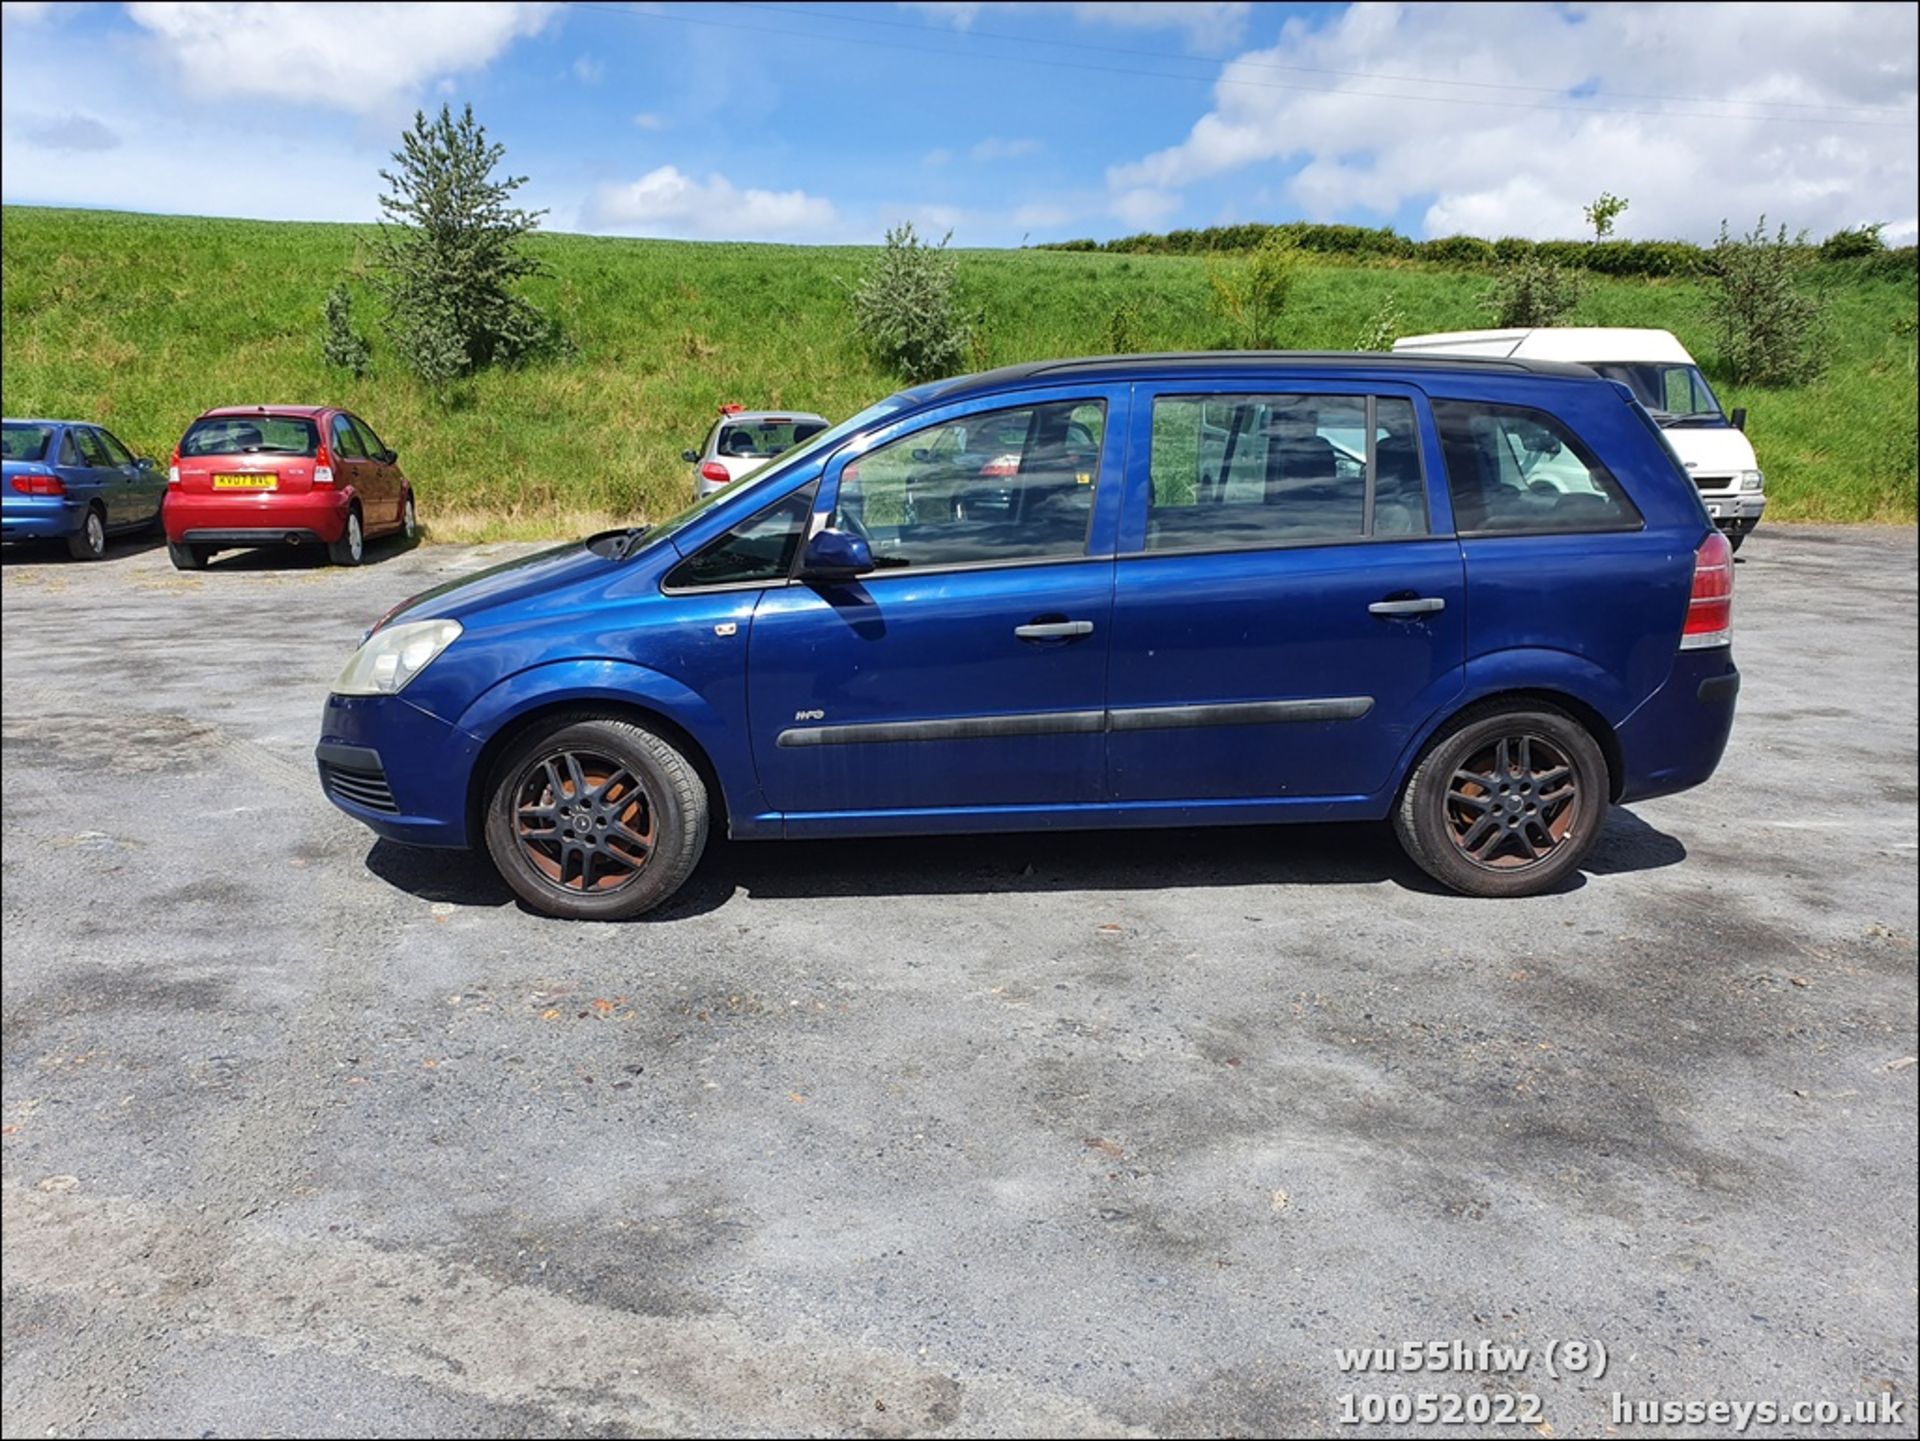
{"x":141,"y":322}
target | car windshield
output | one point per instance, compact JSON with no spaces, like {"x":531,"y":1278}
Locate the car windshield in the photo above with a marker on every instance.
{"x":1671,"y":392}
{"x":250,"y":435}
{"x":27,"y":442}
{"x":823,"y":441}
{"x":766,"y":437}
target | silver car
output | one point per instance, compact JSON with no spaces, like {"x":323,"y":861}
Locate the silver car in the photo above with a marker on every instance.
{"x":742,"y":441}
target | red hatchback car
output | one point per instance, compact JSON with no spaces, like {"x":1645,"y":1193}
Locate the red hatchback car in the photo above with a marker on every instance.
{"x":283,"y":475}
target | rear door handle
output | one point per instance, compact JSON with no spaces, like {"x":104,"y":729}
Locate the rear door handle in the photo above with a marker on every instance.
{"x":1423,"y":605}
{"x":1054,"y":629}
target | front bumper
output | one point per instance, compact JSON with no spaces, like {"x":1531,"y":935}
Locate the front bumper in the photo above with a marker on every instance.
{"x":255,"y":518}
{"x":396,"y":769}
{"x":1737,"y":511}
{"x":41,"y":517}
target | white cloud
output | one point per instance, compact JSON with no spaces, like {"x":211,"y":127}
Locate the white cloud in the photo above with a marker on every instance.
{"x":647,"y":120}
{"x":993,"y":148}
{"x":1514,"y":166}
{"x":1143,"y":206}
{"x":68,"y":132}
{"x":588,"y":71}
{"x":668,"y":202}
{"x":1209,"y":27}
{"x":365,"y":58}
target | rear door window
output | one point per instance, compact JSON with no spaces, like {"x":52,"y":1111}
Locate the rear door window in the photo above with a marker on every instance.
{"x":1513,"y":470}
{"x":345,"y":440}
{"x":1231,"y":472}
{"x":92,"y":452}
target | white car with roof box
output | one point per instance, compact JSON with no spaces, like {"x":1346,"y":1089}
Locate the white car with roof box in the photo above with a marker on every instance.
{"x":741,"y":441}
{"x":1711,"y":445}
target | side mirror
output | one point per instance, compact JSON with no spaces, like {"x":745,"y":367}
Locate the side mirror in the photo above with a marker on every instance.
{"x":835,"y":555}
{"x":1740,"y":417}
{"x":690,"y":456}
{"x":145,"y":462}
{"x":389,"y":456}
{"x":922,"y":454}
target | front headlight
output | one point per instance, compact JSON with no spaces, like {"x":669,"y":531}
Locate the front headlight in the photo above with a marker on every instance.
{"x":389,"y":658}
{"x":1752,"y":480}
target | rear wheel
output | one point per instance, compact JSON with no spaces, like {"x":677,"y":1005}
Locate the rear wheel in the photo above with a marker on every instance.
{"x":1506,"y":803}
{"x":595,"y":819}
{"x":90,"y":541}
{"x":351,"y":548}
{"x":188,"y":557}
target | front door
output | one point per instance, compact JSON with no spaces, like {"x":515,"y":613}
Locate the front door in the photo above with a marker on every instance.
{"x":1283,"y":616}
{"x":967,"y":673}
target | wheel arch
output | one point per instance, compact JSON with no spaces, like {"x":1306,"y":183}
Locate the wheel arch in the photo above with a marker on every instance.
{"x":1589,"y":716}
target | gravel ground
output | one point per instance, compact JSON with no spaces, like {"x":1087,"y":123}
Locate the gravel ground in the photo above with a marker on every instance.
{"x":306,"y":1134}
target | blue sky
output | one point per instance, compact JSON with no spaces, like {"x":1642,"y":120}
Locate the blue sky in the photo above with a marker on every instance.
{"x":829,"y":121}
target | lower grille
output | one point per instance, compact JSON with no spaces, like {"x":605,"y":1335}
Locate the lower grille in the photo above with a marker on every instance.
{"x":366,"y":789}
{"x":1714,"y":482}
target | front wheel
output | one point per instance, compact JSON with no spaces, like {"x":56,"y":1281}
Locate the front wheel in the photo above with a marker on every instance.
{"x":90,"y":541}
{"x":409,"y":521}
{"x":351,"y":548}
{"x":1506,"y":803}
{"x":595,"y":819}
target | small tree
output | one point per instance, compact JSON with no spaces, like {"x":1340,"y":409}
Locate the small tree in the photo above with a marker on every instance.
{"x":1769,"y":327}
{"x":341,"y":344}
{"x":1854,"y":244}
{"x":1532,"y":292}
{"x":906,"y":308}
{"x":1251,"y":295}
{"x":449,"y":253}
{"x":1603,"y":212}
{"x":1383,"y":327}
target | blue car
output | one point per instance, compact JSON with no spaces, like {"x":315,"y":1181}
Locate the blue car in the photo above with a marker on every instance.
{"x":68,"y":480}
{"x":1477,"y":599}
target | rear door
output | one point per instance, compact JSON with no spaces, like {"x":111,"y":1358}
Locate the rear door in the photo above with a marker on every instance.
{"x":386,"y":474}
{"x":141,"y":489}
{"x":966,"y":674}
{"x":1285,"y":615}
{"x":98,"y":478}
{"x":353,"y":467}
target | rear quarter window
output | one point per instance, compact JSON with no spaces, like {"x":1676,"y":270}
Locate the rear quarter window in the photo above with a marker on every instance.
{"x":1514,"y":470}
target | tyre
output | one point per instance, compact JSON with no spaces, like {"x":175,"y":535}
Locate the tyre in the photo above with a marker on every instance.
{"x":1506,"y":802}
{"x":351,"y":548}
{"x":188,"y":557}
{"x":90,"y":541}
{"x":409,"y":522}
{"x":595,"y":819}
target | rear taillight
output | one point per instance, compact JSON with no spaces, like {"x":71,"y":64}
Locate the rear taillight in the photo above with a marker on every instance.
{"x":173,"y":468}
{"x":34,"y":483}
{"x":1710,"y":607}
{"x":714,"y":471}
{"x":322,"y":467}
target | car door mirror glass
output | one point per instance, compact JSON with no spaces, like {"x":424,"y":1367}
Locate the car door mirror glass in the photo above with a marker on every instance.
{"x":835,"y":555}
{"x":689,"y":456}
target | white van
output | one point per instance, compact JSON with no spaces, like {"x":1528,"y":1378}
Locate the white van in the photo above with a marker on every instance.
{"x":1713,"y":447}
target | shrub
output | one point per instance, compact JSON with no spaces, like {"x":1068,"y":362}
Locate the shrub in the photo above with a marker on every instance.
{"x":449,"y":254}
{"x":1252,"y":294}
{"x":1457,"y":250}
{"x":341,"y":345}
{"x":906,"y":308}
{"x":1383,"y":327}
{"x":1855,"y":244}
{"x":1124,"y":330}
{"x":1768,"y":326}
{"x":1533,"y":291}
{"x":1511,"y":248}
{"x":1605,"y":209}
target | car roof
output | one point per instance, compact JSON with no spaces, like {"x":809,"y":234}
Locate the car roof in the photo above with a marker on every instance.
{"x":307,"y":412}
{"x":1581,"y":343}
{"x":736,"y":416}
{"x":35,"y":420}
{"x":1178,"y":364}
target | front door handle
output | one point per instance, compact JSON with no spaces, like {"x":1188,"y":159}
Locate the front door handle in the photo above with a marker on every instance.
{"x":1422,"y":605}
{"x":1054,"y":629}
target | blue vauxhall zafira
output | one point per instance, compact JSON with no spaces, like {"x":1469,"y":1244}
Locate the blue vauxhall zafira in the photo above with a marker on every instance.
{"x":1479,"y":600}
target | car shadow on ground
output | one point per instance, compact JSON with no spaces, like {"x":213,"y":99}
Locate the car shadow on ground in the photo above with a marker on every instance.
{"x":306,"y":556}
{"x":1202,"y":859}
{"x":53,"y":553}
